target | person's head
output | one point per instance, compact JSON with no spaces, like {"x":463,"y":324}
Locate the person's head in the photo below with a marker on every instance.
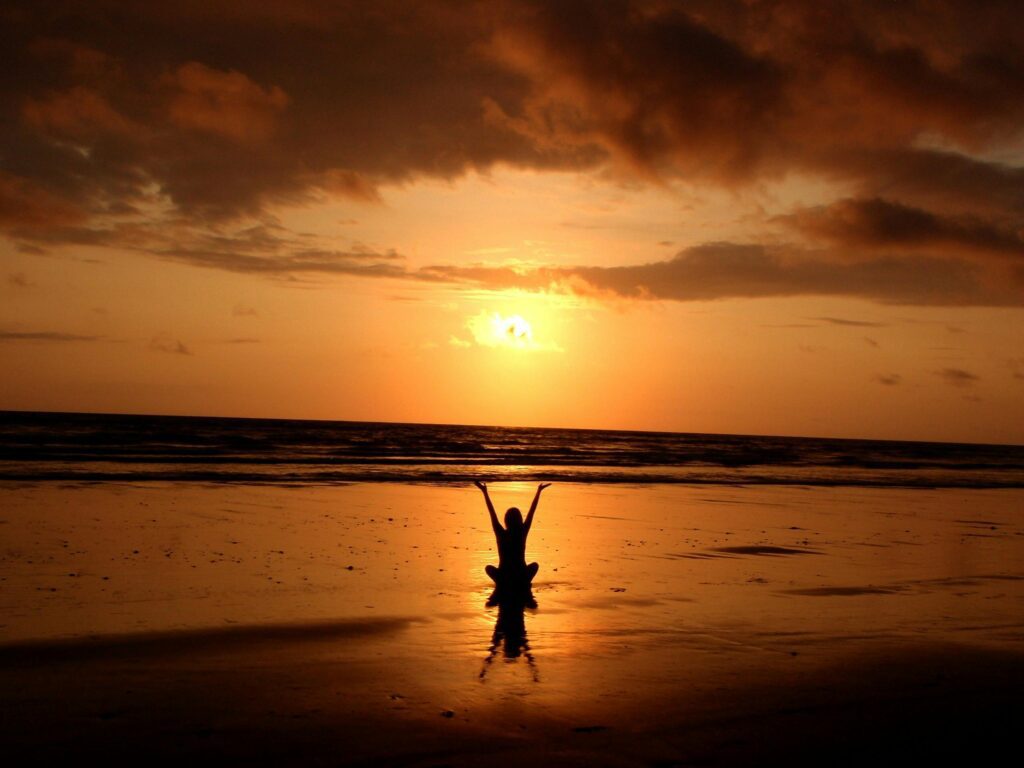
{"x":513,"y":519}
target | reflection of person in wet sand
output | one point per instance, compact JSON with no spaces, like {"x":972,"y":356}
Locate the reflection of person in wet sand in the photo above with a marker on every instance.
{"x":510,"y":637}
{"x":512,"y":573}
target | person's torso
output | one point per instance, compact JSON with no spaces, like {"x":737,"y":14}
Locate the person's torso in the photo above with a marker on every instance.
{"x":511,"y":548}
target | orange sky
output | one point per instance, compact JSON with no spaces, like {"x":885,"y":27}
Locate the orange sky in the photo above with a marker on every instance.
{"x":719,"y":217}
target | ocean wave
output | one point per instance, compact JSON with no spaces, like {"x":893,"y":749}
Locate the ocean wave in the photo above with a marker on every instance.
{"x":49,"y":447}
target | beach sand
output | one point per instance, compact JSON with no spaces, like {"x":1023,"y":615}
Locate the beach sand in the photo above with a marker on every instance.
{"x":674,"y":625}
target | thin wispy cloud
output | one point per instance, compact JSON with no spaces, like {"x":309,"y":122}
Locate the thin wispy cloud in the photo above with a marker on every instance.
{"x":266,"y":248}
{"x":164,"y":343}
{"x":958,"y":377}
{"x":55,"y":336}
{"x":848,"y":322}
{"x":704,"y":272}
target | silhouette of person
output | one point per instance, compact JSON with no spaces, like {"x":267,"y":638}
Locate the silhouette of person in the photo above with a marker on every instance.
{"x":512,"y":573}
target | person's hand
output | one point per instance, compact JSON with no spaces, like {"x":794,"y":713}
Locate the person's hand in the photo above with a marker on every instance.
{"x":542,"y":486}
{"x":481,"y":485}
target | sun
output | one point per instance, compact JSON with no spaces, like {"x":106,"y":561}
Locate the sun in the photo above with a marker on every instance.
{"x":512,"y":330}
{"x":498,"y":331}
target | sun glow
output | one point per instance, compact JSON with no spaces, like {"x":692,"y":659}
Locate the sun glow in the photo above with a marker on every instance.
{"x":492,"y":329}
{"x":513,"y":330}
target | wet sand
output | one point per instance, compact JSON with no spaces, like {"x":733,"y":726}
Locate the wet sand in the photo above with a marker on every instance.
{"x":674,"y":625}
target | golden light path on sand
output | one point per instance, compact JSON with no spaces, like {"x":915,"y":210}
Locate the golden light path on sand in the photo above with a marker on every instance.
{"x":745,"y":561}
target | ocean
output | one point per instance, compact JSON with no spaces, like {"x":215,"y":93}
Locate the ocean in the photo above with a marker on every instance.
{"x":77,"y":447}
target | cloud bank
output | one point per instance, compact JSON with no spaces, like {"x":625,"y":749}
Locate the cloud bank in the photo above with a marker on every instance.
{"x":168,"y":129}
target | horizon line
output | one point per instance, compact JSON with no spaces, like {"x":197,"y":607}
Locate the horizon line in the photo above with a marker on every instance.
{"x":5,"y":411}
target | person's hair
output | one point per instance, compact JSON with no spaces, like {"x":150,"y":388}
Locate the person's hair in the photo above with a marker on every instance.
{"x":513,"y":518}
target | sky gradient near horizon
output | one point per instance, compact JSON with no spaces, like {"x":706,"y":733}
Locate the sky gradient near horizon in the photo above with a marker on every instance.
{"x":751,"y":217}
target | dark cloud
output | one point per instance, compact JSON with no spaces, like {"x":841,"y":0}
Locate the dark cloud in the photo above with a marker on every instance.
{"x":222,"y":114}
{"x":243,"y":340}
{"x":44,"y":336}
{"x":651,"y":85}
{"x":734,"y":92}
{"x":212,"y":114}
{"x":889,"y":379}
{"x":244,"y":310}
{"x":949,"y":182}
{"x":870,"y":342}
{"x":876,"y":224}
{"x":958,"y":377}
{"x":730,"y":270}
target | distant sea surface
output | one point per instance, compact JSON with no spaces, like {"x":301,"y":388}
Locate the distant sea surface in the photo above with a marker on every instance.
{"x":75,"y":447}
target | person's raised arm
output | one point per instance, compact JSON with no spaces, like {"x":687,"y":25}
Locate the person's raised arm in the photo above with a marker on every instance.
{"x":533,"y":507}
{"x":490,"y":507}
